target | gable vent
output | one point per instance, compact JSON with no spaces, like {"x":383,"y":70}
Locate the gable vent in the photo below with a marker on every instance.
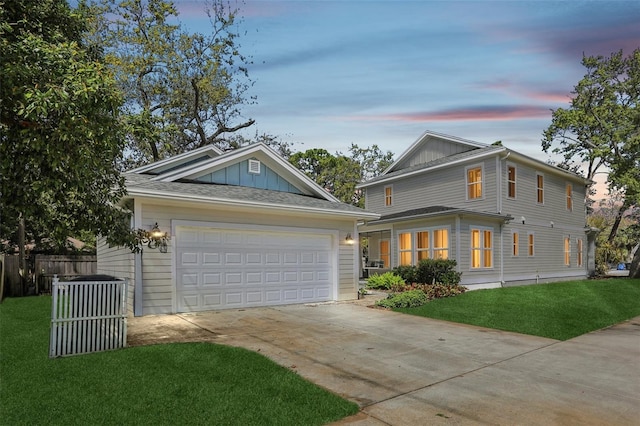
{"x":254,"y":167}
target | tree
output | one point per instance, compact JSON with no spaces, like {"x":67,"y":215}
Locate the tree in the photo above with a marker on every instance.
{"x":60,"y":138}
{"x":601,"y":129}
{"x":339,"y":174}
{"x":183,"y":90}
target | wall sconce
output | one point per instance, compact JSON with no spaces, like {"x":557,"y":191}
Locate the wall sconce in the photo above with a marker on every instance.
{"x":156,"y":239}
{"x":551,"y":223}
{"x":349,"y":239}
{"x":523,"y":219}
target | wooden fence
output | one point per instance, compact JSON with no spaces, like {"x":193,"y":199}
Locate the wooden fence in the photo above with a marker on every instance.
{"x":41,"y":269}
{"x":87,"y":317}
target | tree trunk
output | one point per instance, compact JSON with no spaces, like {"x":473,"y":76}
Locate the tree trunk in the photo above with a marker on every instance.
{"x":22,"y":261}
{"x":634,"y":271}
{"x":616,"y":224}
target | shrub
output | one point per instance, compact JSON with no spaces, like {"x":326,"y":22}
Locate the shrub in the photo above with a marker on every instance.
{"x":407,"y":299}
{"x":438,"y":291}
{"x":407,"y":272}
{"x":440,"y":271}
{"x":385,"y":281}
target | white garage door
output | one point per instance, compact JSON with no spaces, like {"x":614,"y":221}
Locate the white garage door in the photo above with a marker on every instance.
{"x":234,"y":268}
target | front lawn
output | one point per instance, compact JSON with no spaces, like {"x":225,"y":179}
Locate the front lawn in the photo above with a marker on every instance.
{"x":186,"y":383}
{"x":558,"y":311}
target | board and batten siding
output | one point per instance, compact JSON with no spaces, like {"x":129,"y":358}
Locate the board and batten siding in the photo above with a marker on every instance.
{"x":159,"y":282}
{"x":434,"y":150}
{"x":442,"y":187}
{"x":117,"y":262}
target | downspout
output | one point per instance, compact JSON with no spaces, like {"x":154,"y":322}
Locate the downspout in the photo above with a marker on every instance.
{"x":458,"y":263}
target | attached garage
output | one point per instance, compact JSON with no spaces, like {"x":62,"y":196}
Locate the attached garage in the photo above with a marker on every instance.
{"x":239,"y":229}
{"x":226,"y":267}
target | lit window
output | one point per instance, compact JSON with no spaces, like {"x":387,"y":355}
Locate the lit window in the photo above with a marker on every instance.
{"x":515,"y":239}
{"x":567,"y":251}
{"x":422,"y":245}
{"x":511,"y":181}
{"x":530,"y":244}
{"x":540,"y":188}
{"x":474,"y":183}
{"x":569,"y":191}
{"x":441,"y":244}
{"x":481,"y":248}
{"x":388,"y":196}
{"x":404,"y":243}
{"x":579,"y":252}
{"x":385,"y":253}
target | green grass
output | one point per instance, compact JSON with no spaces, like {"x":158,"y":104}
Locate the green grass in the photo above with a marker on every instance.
{"x":187,"y":383}
{"x":558,"y":311}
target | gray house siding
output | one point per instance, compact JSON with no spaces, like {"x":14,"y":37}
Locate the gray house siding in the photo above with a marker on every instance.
{"x":444,"y":187}
{"x":435,"y":149}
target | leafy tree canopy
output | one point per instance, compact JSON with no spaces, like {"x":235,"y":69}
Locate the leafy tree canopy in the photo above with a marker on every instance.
{"x":60,"y":142}
{"x":182,"y":90}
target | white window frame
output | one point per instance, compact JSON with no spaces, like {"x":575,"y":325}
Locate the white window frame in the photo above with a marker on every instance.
{"x":418,"y":250}
{"x":566,"y":250}
{"x":568,"y":190}
{"x":409,"y":250}
{"x":389,"y":197}
{"x":481,"y":249}
{"x":439,"y":250}
{"x":540,"y":189}
{"x":531,"y":244}
{"x":431,"y":250}
{"x":514,"y":181}
{"x":466,"y":179}
{"x":515,"y":243}
{"x":579,"y":252}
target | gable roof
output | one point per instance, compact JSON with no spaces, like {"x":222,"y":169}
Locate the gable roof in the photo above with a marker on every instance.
{"x":195,"y":156}
{"x":469,"y":151}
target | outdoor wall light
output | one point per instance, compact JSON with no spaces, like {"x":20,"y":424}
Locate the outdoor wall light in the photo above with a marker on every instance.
{"x":156,"y":239}
{"x":349,"y":239}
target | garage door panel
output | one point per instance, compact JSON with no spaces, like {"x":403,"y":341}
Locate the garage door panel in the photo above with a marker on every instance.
{"x":222,"y":268}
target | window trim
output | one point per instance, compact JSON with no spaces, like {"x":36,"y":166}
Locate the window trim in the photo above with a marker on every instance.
{"x":409,"y":250}
{"x":579,"y":252}
{"x":467,"y":183}
{"x":568,"y":191}
{"x":515,"y":243}
{"x":531,"y":244}
{"x":388,"y":198}
{"x":482,"y":249}
{"x":514,"y":181}
{"x":539,"y":189}
{"x":431,"y":250}
{"x":566,"y":250}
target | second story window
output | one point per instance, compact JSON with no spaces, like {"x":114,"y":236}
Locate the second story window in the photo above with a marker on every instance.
{"x":511,"y":181}
{"x":388,"y":196}
{"x":474,"y":182}
{"x":540,"y":188}
{"x":569,"y":192}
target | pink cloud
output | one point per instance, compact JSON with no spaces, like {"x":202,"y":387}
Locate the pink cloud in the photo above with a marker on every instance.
{"x":466,"y":114}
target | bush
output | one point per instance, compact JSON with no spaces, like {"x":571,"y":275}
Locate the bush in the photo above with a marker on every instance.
{"x":407,"y":299}
{"x":407,"y":272}
{"x":385,"y":281}
{"x":438,"y":291}
{"x":441,"y":271}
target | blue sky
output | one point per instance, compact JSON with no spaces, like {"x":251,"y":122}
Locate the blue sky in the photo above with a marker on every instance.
{"x":331,"y":73}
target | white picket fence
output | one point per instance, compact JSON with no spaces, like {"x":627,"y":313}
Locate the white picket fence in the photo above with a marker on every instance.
{"x":88,"y":316}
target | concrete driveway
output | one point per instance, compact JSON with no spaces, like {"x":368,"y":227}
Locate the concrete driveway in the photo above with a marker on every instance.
{"x":405,"y":370}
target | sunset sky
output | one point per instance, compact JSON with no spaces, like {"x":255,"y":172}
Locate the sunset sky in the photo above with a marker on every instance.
{"x":331,"y":73}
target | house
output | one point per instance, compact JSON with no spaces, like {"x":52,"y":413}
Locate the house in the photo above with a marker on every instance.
{"x":506,"y":218}
{"x":244,"y":228}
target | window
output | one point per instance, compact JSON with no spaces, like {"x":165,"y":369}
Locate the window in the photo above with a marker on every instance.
{"x":406,"y":254}
{"x":511,"y":181}
{"x":540,"y":188}
{"x":569,"y":192}
{"x":474,"y":183}
{"x":579,"y":252}
{"x":530,"y":245}
{"x":567,"y":251}
{"x":515,"y":239}
{"x":422,"y":245}
{"x":385,"y":253}
{"x":441,"y":244}
{"x":481,"y":248}
{"x":388,"y":196}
